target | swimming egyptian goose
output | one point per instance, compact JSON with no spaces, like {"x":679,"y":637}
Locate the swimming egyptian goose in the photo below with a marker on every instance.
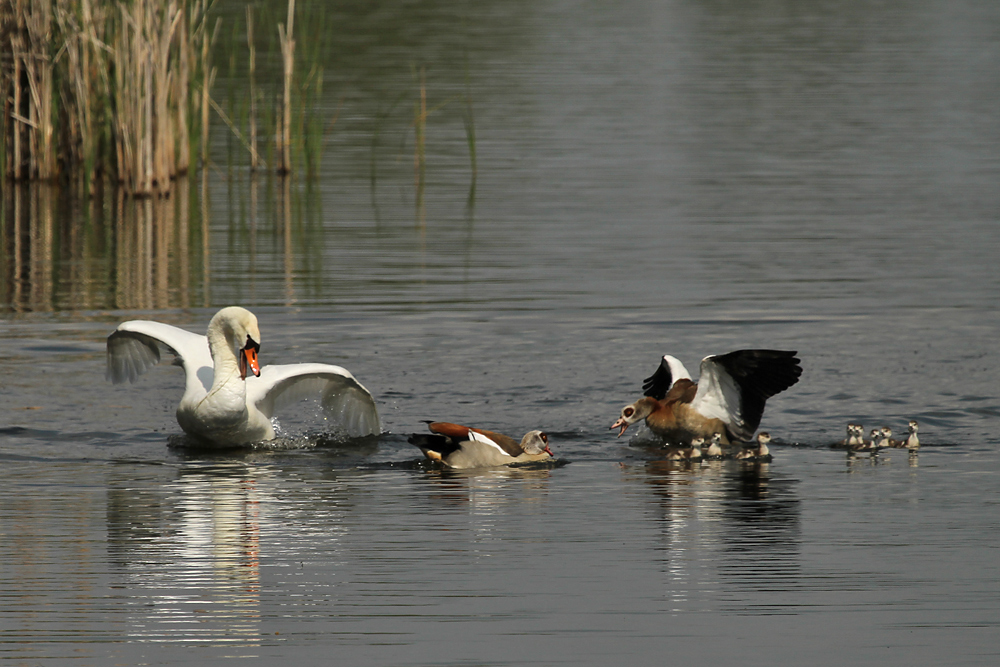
{"x":886,"y":439}
{"x":759,"y":453}
{"x":912,"y":442}
{"x":871,"y":445}
{"x":693,"y":453}
{"x":855,"y":436}
{"x":715,"y":447}
{"x":462,"y":447}
{"x":728,"y":398}
{"x":229,"y":399}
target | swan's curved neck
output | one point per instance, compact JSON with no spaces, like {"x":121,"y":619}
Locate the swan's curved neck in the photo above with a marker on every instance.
{"x":221,"y":344}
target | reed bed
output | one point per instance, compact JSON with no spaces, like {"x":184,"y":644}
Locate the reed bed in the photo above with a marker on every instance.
{"x":103,"y":88}
{"x":121,"y":92}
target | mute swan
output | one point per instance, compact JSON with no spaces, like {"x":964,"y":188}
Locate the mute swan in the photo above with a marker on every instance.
{"x":463,"y":447}
{"x":728,"y":398}
{"x":228,"y":398}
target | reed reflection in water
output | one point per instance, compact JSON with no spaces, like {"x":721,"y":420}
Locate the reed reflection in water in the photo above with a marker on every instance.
{"x":115,"y":252}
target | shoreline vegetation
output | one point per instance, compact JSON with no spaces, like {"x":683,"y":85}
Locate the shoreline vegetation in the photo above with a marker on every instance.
{"x":95,"y":89}
{"x":106,"y":92}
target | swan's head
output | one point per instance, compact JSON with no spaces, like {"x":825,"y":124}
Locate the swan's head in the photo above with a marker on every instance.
{"x":239,"y":328}
{"x":633,"y":413}
{"x":536,"y":442}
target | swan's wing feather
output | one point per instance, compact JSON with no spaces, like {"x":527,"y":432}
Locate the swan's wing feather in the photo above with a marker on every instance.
{"x":659,"y":383}
{"x":344,"y":399}
{"x":734,"y":387}
{"x":135,"y":347}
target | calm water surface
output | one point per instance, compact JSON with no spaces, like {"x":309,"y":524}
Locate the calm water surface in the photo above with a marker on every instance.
{"x":684,"y":178}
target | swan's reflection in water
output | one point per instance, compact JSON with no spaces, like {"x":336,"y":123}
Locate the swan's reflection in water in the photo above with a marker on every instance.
{"x":188,"y":551}
{"x":723,"y":525}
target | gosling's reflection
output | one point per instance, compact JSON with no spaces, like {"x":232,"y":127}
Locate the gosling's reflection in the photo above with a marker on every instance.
{"x":722,"y":519}
{"x":189,"y":554}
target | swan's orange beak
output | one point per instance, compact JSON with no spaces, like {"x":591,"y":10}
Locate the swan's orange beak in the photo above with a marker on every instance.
{"x":248,"y":359}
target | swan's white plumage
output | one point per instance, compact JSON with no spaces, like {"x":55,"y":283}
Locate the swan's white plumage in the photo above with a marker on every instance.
{"x":134,"y":348}
{"x":345,"y":400}
{"x":219,"y":406}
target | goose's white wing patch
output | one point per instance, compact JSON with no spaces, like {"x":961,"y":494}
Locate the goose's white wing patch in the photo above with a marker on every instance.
{"x":345,"y":400}
{"x":718,"y":395}
{"x":134,"y":347}
{"x":677,"y":370}
{"x":479,"y":437}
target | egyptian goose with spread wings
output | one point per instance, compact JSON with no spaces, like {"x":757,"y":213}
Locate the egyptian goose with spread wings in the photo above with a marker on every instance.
{"x":728,"y":398}
{"x":229,"y":399}
{"x":462,"y":447}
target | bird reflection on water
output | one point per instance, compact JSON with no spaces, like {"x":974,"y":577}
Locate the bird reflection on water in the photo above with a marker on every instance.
{"x":188,"y":556}
{"x":728,"y":520}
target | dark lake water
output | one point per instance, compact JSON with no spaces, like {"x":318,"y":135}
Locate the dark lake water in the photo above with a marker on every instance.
{"x":651,"y":178}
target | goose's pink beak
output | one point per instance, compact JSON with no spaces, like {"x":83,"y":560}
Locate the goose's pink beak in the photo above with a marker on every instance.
{"x":623,"y":424}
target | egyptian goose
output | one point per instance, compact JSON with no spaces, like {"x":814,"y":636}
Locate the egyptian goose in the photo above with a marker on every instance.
{"x":690,"y":454}
{"x":912,"y":442}
{"x":758,"y":453}
{"x":871,"y":445}
{"x":886,"y":439}
{"x":855,"y":436}
{"x":229,"y":399}
{"x":693,"y":453}
{"x":728,"y":398}
{"x":715,"y":446}
{"x":462,"y":447}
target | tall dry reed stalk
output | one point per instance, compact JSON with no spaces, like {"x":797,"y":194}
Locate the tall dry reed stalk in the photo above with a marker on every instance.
{"x":252,"y":65}
{"x":419,"y":132}
{"x":27,"y":31}
{"x":100,"y":87}
{"x":283,"y":134}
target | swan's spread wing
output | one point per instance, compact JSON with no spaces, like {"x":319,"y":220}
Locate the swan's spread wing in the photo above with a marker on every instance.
{"x":134,"y":348}
{"x":344,"y":399}
{"x":734,"y":387}
{"x":659,"y":383}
